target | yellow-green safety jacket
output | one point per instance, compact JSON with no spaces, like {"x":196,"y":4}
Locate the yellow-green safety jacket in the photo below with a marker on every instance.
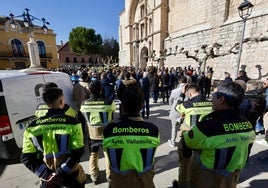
{"x":42,"y":110}
{"x":131,"y":145}
{"x":98,"y":112}
{"x":194,"y":109}
{"x":222,"y":141}
{"x":51,"y":143}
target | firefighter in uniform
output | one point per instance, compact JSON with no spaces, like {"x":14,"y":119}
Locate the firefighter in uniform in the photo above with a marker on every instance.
{"x":42,"y":108}
{"x":221,"y":141}
{"x":53,"y":145}
{"x":192,"y":110}
{"x":98,"y":112}
{"x":131,"y":144}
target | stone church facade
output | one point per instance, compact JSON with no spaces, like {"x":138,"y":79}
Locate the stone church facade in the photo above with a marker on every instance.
{"x":196,"y":33}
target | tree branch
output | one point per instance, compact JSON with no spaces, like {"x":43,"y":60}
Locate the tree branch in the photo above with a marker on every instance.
{"x":212,"y":51}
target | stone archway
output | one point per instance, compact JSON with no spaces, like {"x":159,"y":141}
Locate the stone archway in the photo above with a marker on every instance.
{"x":143,"y":57}
{"x":132,"y":11}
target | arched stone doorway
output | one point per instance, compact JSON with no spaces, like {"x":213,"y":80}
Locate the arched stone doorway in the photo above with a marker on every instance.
{"x":143,"y":57}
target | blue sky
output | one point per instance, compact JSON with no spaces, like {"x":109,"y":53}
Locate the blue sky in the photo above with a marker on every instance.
{"x":63,"y":15}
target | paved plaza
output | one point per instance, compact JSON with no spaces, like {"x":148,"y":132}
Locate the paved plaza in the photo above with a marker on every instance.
{"x":255,"y":175}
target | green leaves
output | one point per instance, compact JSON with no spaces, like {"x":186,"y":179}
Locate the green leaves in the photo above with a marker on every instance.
{"x":85,"y":41}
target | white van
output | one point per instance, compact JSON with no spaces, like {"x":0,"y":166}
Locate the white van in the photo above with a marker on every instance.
{"x":20,"y":94}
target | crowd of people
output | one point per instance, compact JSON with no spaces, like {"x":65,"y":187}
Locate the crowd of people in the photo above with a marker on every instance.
{"x":215,"y":138}
{"x":162,"y":80}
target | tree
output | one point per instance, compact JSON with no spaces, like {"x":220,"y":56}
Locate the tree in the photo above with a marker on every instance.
{"x":85,"y":41}
{"x":110,"y":50}
{"x":213,"y":51}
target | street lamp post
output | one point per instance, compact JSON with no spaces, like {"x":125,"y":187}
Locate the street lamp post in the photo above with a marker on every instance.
{"x":29,"y":26}
{"x":244,"y":10}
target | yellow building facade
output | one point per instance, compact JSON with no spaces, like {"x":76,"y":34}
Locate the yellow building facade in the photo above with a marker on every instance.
{"x":14,"y":52}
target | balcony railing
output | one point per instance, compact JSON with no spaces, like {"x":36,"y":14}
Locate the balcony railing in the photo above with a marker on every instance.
{"x":10,"y":55}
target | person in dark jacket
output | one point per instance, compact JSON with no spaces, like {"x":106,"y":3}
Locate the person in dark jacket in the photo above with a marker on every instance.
{"x":155,"y":87}
{"x":259,"y":128}
{"x":253,"y":104}
{"x":98,"y":112}
{"x":242,"y":75}
{"x":165,"y":78}
{"x":227,"y":78}
{"x":111,"y":76}
{"x":131,"y":144}
{"x":194,"y":77}
{"x":126,"y":81}
{"x":208,"y":85}
{"x":108,"y":89}
{"x":145,"y":86}
{"x":202,"y":83}
{"x":172,"y":80}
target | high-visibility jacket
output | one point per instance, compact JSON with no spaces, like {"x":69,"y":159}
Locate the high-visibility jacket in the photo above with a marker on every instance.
{"x":52,"y":142}
{"x":98,"y":112}
{"x":131,"y":144}
{"x":42,"y":110}
{"x":194,"y":109}
{"x":222,"y":141}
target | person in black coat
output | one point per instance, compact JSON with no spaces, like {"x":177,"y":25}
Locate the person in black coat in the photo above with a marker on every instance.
{"x":227,"y":78}
{"x":155,"y":87}
{"x":165,"y":78}
{"x":108,"y":90}
{"x":202,"y":83}
{"x":253,"y":105}
{"x":145,"y":86}
{"x":242,"y":75}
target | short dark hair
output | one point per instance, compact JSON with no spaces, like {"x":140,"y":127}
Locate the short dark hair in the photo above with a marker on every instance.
{"x":132,"y":100}
{"x":194,"y":87}
{"x":52,"y":94}
{"x":95,"y":86}
{"x":49,"y":85}
{"x":183,"y":79}
{"x":126,"y":75}
{"x":233,"y":93}
{"x":104,"y":75}
{"x":84,"y":75}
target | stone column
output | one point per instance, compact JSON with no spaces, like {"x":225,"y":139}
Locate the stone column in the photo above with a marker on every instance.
{"x":33,"y":53}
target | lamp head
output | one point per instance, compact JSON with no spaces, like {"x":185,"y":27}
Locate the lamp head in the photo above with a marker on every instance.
{"x":12,"y":22}
{"x":27,"y":21}
{"x":245,"y":9}
{"x":45,"y":29}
